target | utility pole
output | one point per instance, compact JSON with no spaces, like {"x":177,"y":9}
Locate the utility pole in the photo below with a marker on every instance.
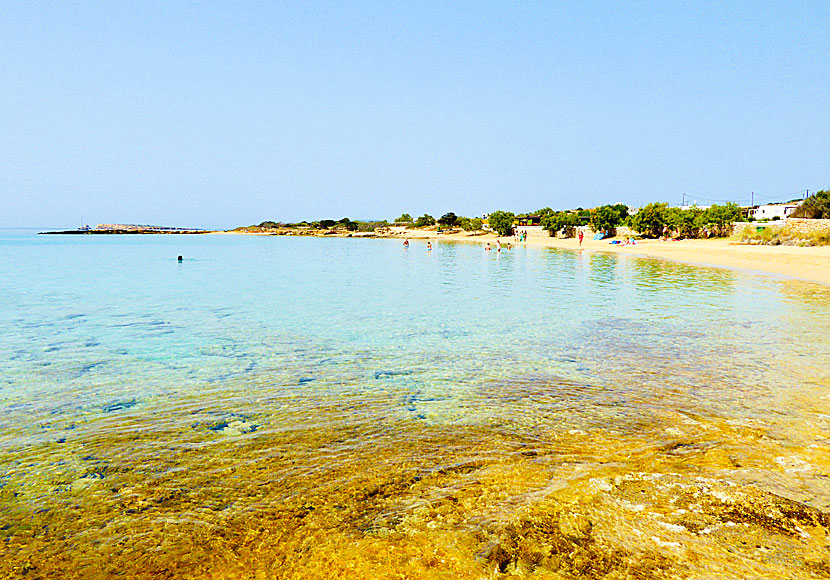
{"x":683,"y":203}
{"x":753,"y":199}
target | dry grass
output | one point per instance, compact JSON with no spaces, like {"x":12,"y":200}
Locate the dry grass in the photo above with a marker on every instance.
{"x":781,"y":236}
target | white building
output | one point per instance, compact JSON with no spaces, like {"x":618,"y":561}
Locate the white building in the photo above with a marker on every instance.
{"x":772,"y":211}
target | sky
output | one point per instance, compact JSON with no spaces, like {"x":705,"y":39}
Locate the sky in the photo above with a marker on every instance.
{"x":220,"y":114}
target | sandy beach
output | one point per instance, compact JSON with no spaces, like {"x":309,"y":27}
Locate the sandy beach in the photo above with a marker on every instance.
{"x":802,"y":263}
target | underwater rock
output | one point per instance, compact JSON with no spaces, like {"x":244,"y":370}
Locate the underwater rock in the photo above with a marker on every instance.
{"x":389,"y":374}
{"x":85,"y":482}
{"x":87,"y":368}
{"x":237,"y":426}
{"x":119,"y":406}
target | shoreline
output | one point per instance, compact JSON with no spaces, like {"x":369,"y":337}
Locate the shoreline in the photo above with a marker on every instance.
{"x":810,"y":263}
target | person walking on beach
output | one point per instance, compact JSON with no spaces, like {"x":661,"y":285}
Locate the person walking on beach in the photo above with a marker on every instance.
{"x":581,"y":235}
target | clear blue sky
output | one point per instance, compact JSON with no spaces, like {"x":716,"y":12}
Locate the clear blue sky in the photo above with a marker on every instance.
{"x":222,"y":114}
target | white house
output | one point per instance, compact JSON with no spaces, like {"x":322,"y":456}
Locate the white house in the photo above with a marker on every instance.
{"x":772,"y":211}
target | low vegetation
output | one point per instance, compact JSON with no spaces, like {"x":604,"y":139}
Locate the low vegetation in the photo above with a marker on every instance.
{"x":342,"y":225}
{"x":781,"y":236}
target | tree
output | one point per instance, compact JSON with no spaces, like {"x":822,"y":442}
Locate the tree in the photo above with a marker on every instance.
{"x":721,"y":217}
{"x":348,"y":224}
{"x":560,"y":221}
{"x":424,"y":221}
{"x":686,"y":222}
{"x":817,"y":206}
{"x":326,"y":224}
{"x":502,"y":222}
{"x":404,"y":219}
{"x":651,"y":220}
{"x":448,"y":219}
{"x":622,"y":210}
{"x":605,"y":219}
{"x":476,"y":224}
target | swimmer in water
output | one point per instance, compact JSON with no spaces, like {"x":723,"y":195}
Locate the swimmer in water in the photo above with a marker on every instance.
{"x":406,"y":243}
{"x":429,"y":246}
{"x":487,"y":247}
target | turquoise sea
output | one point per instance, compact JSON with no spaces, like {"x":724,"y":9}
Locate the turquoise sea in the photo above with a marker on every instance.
{"x":296,"y":407}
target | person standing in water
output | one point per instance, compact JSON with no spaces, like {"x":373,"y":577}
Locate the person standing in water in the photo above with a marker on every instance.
{"x":406,"y":243}
{"x":487,"y":247}
{"x":429,"y":246}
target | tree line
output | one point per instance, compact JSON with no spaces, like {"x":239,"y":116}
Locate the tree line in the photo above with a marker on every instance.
{"x":449,"y":220}
{"x":653,"y":220}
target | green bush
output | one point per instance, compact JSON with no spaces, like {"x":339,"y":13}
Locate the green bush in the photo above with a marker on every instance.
{"x":817,"y":206}
{"x":424,"y":221}
{"x":502,"y":222}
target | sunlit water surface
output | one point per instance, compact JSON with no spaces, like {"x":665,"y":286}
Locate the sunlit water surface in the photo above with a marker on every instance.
{"x":278,"y":407}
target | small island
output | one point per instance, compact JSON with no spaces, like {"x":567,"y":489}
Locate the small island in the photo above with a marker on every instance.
{"x":118,"y":229}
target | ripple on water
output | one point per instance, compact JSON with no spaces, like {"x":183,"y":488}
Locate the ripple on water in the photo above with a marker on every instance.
{"x":646,"y":425}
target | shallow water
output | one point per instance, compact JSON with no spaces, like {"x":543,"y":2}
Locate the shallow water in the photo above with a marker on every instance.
{"x":279,"y":407}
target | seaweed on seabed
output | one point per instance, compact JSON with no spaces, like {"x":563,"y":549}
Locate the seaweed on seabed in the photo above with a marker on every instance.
{"x":546,"y":542}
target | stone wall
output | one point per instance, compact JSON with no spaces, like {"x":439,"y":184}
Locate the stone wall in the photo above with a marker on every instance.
{"x":794,"y":225}
{"x":532,"y":231}
{"x":625,"y":232}
{"x":805,"y":226}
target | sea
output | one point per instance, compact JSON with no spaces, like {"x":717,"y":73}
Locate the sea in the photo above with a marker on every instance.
{"x":306,"y":407}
